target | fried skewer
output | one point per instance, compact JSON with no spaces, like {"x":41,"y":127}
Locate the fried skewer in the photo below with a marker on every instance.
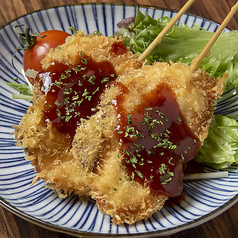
{"x":158,"y":39}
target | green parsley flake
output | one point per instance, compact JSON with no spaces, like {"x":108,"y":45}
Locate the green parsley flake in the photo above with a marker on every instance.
{"x":132,"y":176}
{"x":162,"y":169}
{"x":165,"y":180}
{"x":104,"y":80}
{"x":75,"y":69}
{"x":129,"y":119}
{"x":126,"y":152}
{"x":68,"y":71}
{"x":97,"y":89}
{"x":67,"y":118}
{"x":58,"y":112}
{"x":139,"y":174}
{"x":79,"y":102}
{"x":57,"y":103}
{"x":182,"y":157}
{"x":91,"y":79}
{"x":75,"y":97}
{"x":63,"y":76}
{"x":85,"y":93}
{"x":133,"y":159}
{"x":88,"y":98}
{"x":84,"y":61}
{"x":171,"y":158}
{"x":58,"y":84}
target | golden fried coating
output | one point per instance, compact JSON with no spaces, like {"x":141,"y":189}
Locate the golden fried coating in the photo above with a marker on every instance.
{"x":97,"y":149}
{"x":47,"y":148}
{"x":100,"y":48}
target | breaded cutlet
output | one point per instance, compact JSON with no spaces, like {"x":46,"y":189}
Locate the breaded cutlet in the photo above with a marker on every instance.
{"x":100,"y":48}
{"x":47,"y":148}
{"x":98,"y":150}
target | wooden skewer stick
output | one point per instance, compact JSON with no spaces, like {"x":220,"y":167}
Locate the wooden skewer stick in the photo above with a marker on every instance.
{"x":158,"y":39}
{"x":196,"y":62}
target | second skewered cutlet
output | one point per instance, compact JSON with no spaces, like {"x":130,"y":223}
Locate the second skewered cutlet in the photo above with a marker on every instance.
{"x":150,"y":124}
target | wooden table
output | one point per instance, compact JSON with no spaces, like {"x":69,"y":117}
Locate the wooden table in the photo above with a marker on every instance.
{"x":225,"y":225}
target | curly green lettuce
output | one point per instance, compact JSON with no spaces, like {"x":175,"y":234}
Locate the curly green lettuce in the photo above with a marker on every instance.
{"x":220,"y":148}
{"x":182,"y":44}
{"x":23,"y":89}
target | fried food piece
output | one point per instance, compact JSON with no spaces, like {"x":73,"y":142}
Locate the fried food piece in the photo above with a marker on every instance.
{"x":48,"y":150}
{"x":100,"y":48}
{"x":46,"y":147}
{"x":97,"y":149}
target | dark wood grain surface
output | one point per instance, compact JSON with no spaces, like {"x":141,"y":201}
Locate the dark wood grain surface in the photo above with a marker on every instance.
{"x":226,"y":224}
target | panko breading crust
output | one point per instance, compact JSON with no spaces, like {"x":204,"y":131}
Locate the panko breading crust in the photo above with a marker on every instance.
{"x":97,"y":149}
{"x":98,"y":47}
{"x":46,"y":148}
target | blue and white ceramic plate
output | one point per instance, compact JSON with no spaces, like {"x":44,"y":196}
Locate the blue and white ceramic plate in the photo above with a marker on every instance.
{"x":204,"y":199}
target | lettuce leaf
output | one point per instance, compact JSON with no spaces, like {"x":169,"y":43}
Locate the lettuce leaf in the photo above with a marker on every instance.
{"x":182,"y":44}
{"x":220,"y":148}
{"x":23,"y":89}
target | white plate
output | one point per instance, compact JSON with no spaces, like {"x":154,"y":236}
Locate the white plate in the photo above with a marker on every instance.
{"x":204,"y":199}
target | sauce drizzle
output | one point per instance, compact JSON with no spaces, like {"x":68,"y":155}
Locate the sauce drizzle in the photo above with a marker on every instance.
{"x":73,"y":91}
{"x":118,"y":48}
{"x":155,"y":140}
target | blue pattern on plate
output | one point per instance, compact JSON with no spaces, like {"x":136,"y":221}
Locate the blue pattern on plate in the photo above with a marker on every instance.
{"x":204,"y":199}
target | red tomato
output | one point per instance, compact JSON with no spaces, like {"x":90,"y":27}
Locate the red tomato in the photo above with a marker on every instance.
{"x":33,"y":56}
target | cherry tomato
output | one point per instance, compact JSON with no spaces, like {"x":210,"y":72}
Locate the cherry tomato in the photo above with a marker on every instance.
{"x":33,"y":56}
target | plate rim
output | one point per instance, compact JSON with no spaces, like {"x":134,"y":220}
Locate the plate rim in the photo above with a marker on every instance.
{"x":105,"y":3}
{"x":77,"y":233}
{"x":68,"y":231}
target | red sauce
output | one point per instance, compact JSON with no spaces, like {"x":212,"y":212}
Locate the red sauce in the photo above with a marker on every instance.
{"x":118,"y":48}
{"x":155,"y":140}
{"x":193,"y":167}
{"x":190,"y":168}
{"x":73,"y":92}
